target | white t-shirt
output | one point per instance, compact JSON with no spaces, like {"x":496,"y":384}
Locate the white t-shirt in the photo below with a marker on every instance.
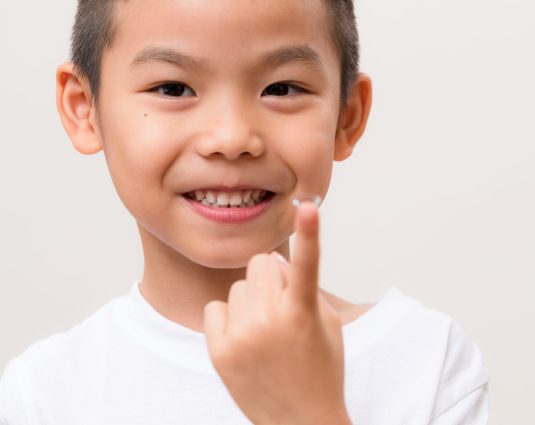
{"x":127,"y":364}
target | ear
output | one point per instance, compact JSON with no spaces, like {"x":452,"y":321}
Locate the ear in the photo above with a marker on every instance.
{"x":353,"y":118}
{"x":76,"y":110}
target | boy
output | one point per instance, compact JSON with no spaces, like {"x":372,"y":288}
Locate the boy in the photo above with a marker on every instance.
{"x":213,"y":117}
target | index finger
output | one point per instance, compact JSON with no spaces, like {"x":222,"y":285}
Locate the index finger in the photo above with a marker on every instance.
{"x":304,"y":264}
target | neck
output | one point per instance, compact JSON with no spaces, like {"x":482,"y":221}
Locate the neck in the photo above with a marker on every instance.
{"x":179,"y":288}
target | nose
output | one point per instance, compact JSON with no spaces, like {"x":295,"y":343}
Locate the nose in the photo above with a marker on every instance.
{"x":231,"y":134}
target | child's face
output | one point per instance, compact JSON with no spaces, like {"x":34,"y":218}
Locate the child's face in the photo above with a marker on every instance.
{"x":227,"y":125}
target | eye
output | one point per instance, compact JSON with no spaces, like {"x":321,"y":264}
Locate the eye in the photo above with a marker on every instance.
{"x":283,"y":89}
{"x":172,"y":89}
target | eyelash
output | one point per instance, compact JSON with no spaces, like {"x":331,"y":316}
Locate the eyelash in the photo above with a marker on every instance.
{"x":298,"y":89}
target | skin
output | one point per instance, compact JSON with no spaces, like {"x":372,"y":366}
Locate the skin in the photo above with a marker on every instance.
{"x":223,"y":128}
{"x":278,"y":309}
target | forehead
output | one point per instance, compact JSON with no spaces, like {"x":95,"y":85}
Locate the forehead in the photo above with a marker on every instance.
{"x":223,"y":31}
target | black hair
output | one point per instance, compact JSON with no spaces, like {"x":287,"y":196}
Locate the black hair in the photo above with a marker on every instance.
{"x":95,"y":29}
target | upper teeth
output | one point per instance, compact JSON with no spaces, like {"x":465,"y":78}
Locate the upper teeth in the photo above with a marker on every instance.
{"x":248,"y":197}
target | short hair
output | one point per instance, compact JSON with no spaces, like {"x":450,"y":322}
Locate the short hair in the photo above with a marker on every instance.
{"x":94,"y":30}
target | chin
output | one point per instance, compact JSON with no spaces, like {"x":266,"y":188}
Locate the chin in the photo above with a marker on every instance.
{"x":221,"y":263}
{"x":223,"y":257}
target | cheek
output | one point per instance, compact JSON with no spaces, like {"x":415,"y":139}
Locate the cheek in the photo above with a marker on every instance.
{"x":315,"y":166}
{"x":138,"y":150}
{"x":308,"y":146}
{"x":136,"y":137}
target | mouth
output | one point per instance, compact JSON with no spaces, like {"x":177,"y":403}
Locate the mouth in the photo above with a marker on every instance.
{"x":246,"y":198}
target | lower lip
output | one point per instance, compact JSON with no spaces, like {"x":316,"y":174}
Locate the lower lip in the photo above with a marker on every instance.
{"x":233,"y":214}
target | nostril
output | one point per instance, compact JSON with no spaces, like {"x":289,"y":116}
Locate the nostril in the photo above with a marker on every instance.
{"x":230,"y":145}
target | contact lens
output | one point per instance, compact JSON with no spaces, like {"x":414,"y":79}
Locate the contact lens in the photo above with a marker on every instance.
{"x":306,"y":197}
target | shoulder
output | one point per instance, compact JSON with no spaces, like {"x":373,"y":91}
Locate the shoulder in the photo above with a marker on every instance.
{"x":418,"y":358}
{"x":48,"y":361}
{"x":438,"y":340}
{"x":402,"y":322}
{"x":68,"y":344}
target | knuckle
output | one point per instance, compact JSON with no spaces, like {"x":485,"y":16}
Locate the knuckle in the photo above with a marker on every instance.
{"x":264,"y":323}
{"x":305,"y":260}
{"x":224,"y":359}
{"x":236,"y":351}
{"x":299,"y":317}
{"x":259,"y":259}
{"x":236,"y":288}
{"x":242,"y":341}
{"x":239,"y":284}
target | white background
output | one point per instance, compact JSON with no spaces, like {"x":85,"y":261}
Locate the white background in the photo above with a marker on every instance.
{"x":438,"y":198}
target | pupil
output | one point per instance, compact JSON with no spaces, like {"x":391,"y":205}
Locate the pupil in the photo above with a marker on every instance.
{"x":278,"y":89}
{"x":173,"y":89}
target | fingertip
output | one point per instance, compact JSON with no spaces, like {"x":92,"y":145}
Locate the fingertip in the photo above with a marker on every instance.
{"x":308,"y":209}
{"x":307,"y":216}
{"x":304,"y":197}
{"x":307,"y":206}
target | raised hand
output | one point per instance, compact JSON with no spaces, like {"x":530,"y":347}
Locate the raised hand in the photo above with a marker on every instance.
{"x":276,"y":343}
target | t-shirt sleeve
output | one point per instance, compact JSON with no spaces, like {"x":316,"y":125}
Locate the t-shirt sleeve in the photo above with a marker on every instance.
{"x":463,"y":392}
{"x":10,"y":394}
{"x":471,"y":410}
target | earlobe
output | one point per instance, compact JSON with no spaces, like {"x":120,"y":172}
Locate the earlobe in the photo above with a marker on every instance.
{"x":75,"y":107}
{"x":353,"y":118}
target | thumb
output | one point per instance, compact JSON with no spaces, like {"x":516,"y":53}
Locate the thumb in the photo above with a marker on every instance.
{"x":215,"y":325}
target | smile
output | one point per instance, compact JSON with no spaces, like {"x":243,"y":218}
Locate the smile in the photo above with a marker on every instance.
{"x":230,"y":207}
{"x":223,"y":199}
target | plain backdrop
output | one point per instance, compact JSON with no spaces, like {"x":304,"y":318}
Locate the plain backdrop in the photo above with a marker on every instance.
{"x":438,"y":198}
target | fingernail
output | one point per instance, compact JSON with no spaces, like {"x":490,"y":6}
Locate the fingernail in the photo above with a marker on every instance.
{"x":280,"y":258}
{"x":306,"y":197}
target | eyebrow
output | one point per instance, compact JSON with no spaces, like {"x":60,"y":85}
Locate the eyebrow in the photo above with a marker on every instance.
{"x":162,"y":54}
{"x":297,"y":53}
{"x":271,"y":59}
